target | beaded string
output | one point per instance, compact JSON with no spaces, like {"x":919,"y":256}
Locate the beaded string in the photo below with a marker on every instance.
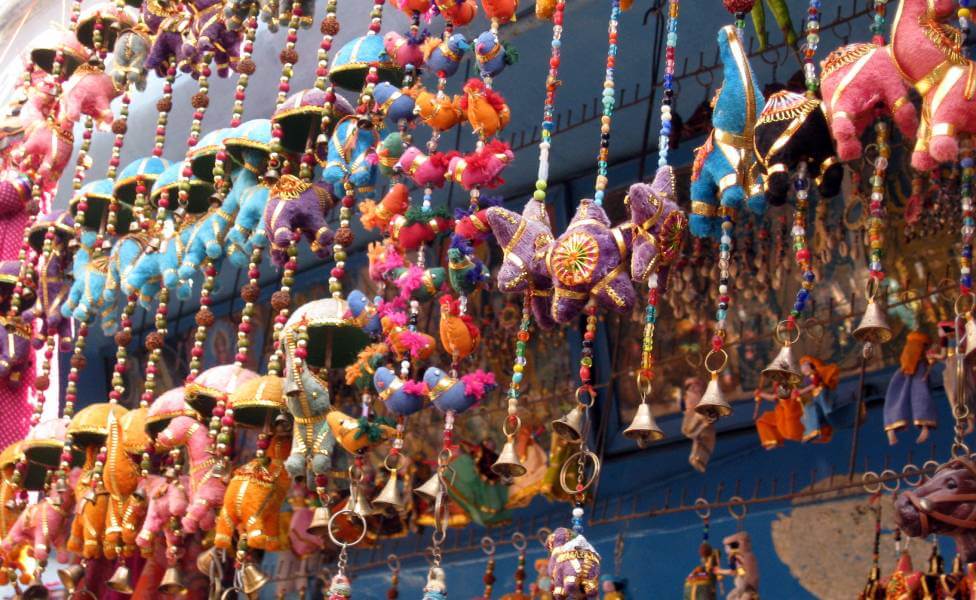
{"x":810,"y":48}
{"x":876,"y":210}
{"x":966,"y":164}
{"x":964,"y":13}
{"x":878,"y":22}
{"x":608,"y":101}
{"x":288,"y":58}
{"x":489,"y":577}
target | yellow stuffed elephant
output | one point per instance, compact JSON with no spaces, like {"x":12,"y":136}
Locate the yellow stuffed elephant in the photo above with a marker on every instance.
{"x":127,"y":439}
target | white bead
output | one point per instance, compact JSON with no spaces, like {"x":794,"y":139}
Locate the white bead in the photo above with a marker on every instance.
{"x":577,"y":512}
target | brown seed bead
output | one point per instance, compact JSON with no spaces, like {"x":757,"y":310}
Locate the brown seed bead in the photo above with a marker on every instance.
{"x":250,"y":292}
{"x":78,"y":361}
{"x":246,"y":66}
{"x":154,"y":341}
{"x":42,"y":382}
{"x":329,"y":25}
{"x":344,"y":236}
{"x":205,"y":318}
{"x":164,"y":104}
{"x":200,"y":100}
{"x":122,"y":338}
{"x":280,"y":300}
{"x":119,"y":127}
{"x":289,"y":56}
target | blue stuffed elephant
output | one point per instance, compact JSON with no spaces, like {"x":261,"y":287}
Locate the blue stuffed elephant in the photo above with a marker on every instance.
{"x":123,"y":257}
{"x":88,"y":271}
{"x":725,"y":171}
{"x":248,"y":230}
{"x":348,"y":156}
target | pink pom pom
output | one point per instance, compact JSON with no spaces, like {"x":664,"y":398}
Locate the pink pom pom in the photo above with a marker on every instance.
{"x":410,"y":281}
{"x":414,"y":342}
{"x":415,"y":388}
{"x":479,"y":383}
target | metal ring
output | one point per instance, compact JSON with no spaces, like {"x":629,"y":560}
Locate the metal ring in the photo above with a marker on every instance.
{"x":225,"y":596}
{"x":725,"y":360}
{"x":488,"y":545}
{"x":956,"y":306}
{"x":581,"y":455}
{"x":784,"y":327}
{"x":393,"y":562}
{"x":959,"y":450}
{"x":396,"y":463}
{"x":518,"y":541}
{"x":889,"y":474}
{"x":871,"y":482}
{"x":362,"y":534}
{"x":701,"y":508}
{"x":591,"y":396}
{"x":930,"y":467}
{"x":643,"y":385}
{"x":741,"y":503}
{"x":354,"y":469}
{"x":444,"y":457}
{"x":695,"y":362}
{"x":542,"y":534}
{"x":909,"y":471}
{"x":871,"y":288}
{"x":438,"y":536}
{"x":518,"y":425}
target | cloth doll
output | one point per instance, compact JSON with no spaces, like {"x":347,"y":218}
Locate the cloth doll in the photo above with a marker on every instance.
{"x":696,"y":427}
{"x":357,"y":434}
{"x":396,"y":104}
{"x":465,"y":271}
{"x":502,"y":11}
{"x":121,"y":478}
{"x":349,"y":154}
{"x":424,"y":170}
{"x":782,"y":423}
{"x":121,"y":259}
{"x":438,"y":110}
{"x":457,"y":395}
{"x":905,"y":581}
{"x":458,"y":333}
{"x":702,"y":582}
{"x":574,"y":566}
{"x":44,"y":526}
{"x":419,"y":226}
{"x":723,"y":173}
{"x":296,"y":207}
{"x":129,"y":57}
{"x":823,"y":411}
{"x":792,"y":129}
{"x":378,"y":215}
{"x":855,"y":80}
{"x":908,"y":399}
{"x":401,"y":397}
{"x":613,"y":588}
{"x":743,"y":567}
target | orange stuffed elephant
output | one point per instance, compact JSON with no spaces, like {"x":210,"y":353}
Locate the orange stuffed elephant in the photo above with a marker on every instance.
{"x":254,"y":498}
{"x":126,"y":503}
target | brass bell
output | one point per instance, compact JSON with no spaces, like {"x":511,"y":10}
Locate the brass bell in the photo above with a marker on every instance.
{"x":432,"y":489}
{"x":784,"y":369}
{"x":172,"y":583}
{"x":643,"y":429}
{"x":359,"y":504}
{"x":873,"y":328}
{"x":119,"y":581}
{"x":70,"y":576}
{"x":389,"y":497}
{"x":508,"y":465}
{"x":320,"y":522}
{"x":570,"y":426}
{"x":713,"y":405}
{"x":252,"y":579}
{"x":208,"y":560}
{"x":36,"y":591}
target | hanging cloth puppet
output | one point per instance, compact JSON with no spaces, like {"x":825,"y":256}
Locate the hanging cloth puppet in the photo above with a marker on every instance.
{"x":908,"y":399}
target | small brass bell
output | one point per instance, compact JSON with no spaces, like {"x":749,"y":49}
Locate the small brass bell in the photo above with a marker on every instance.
{"x":252,"y":579}
{"x":207,"y":560}
{"x":873,"y":328}
{"x":432,"y":489}
{"x":570,"y":426}
{"x":320,"y":522}
{"x":508,"y":465}
{"x":172,"y":583}
{"x":713,"y":405}
{"x":359,"y":504}
{"x":70,"y":576}
{"x":389,"y":497}
{"x":119,"y":581}
{"x":784,"y":369}
{"x":643,"y":429}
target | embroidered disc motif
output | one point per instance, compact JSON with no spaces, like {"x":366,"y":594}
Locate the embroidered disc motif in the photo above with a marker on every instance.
{"x":574,"y":259}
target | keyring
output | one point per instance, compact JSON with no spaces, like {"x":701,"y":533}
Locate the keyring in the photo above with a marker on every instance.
{"x":518,"y":541}
{"x":720,"y":352}
{"x":581,"y":455}
{"x":362,"y":534}
{"x":889,"y":475}
{"x":393,"y":562}
{"x":517,"y":425}
{"x":782,"y":330}
{"x":741,"y":503}
{"x":488,"y":545}
{"x":909,"y":471}
{"x":701,"y":508}
{"x":871,"y":482}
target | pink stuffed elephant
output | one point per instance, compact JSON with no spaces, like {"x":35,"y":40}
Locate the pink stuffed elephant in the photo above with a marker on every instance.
{"x":89,"y":92}
{"x":302,"y":542}
{"x":166,"y":499}
{"x":46,"y":150}
{"x":481,"y":168}
{"x":44,"y":526}
{"x":425,"y":170}
{"x":206,"y":490}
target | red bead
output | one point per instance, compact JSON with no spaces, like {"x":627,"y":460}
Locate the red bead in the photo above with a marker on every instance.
{"x":227,"y":421}
{"x":584,"y":373}
{"x":240,"y":357}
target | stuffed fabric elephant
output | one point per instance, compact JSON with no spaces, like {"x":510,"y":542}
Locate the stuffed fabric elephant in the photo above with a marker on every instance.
{"x":122,"y":478}
{"x":724,"y":171}
{"x":15,"y":348}
{"x":295,"y":206}
{"x":128,"y":59}
{"x":89,"y":91}
{"x":275,"y":12}
{"x":248,"y":231}
{"x":207,"y":487}
{"x":91,"y":508}
{"x":44,"y":526}
{"x":121,"y":260}
{"x":89,"y":272}
{"x":167,"y":22}
{"x":308,"y":400}
{"x":166,"y":498}
{"x":253,"y":500}
{"x":348,"y":154}
{"x":162,"y":265}
{"x":45,"y":149}
{"x":574,"y":566}
{"x":209,"y":34}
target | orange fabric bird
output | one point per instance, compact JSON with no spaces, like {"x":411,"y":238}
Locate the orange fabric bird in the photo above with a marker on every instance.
{"x":502,"y":10}
{"x":485,"y":108}
{"x":378,"y":215}
{"x":459,"y":335}
{"x":440,"y":113}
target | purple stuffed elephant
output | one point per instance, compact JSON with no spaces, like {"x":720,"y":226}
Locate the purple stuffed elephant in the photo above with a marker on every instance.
{"x":574,"y":566}
{"x":296,"y":207}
